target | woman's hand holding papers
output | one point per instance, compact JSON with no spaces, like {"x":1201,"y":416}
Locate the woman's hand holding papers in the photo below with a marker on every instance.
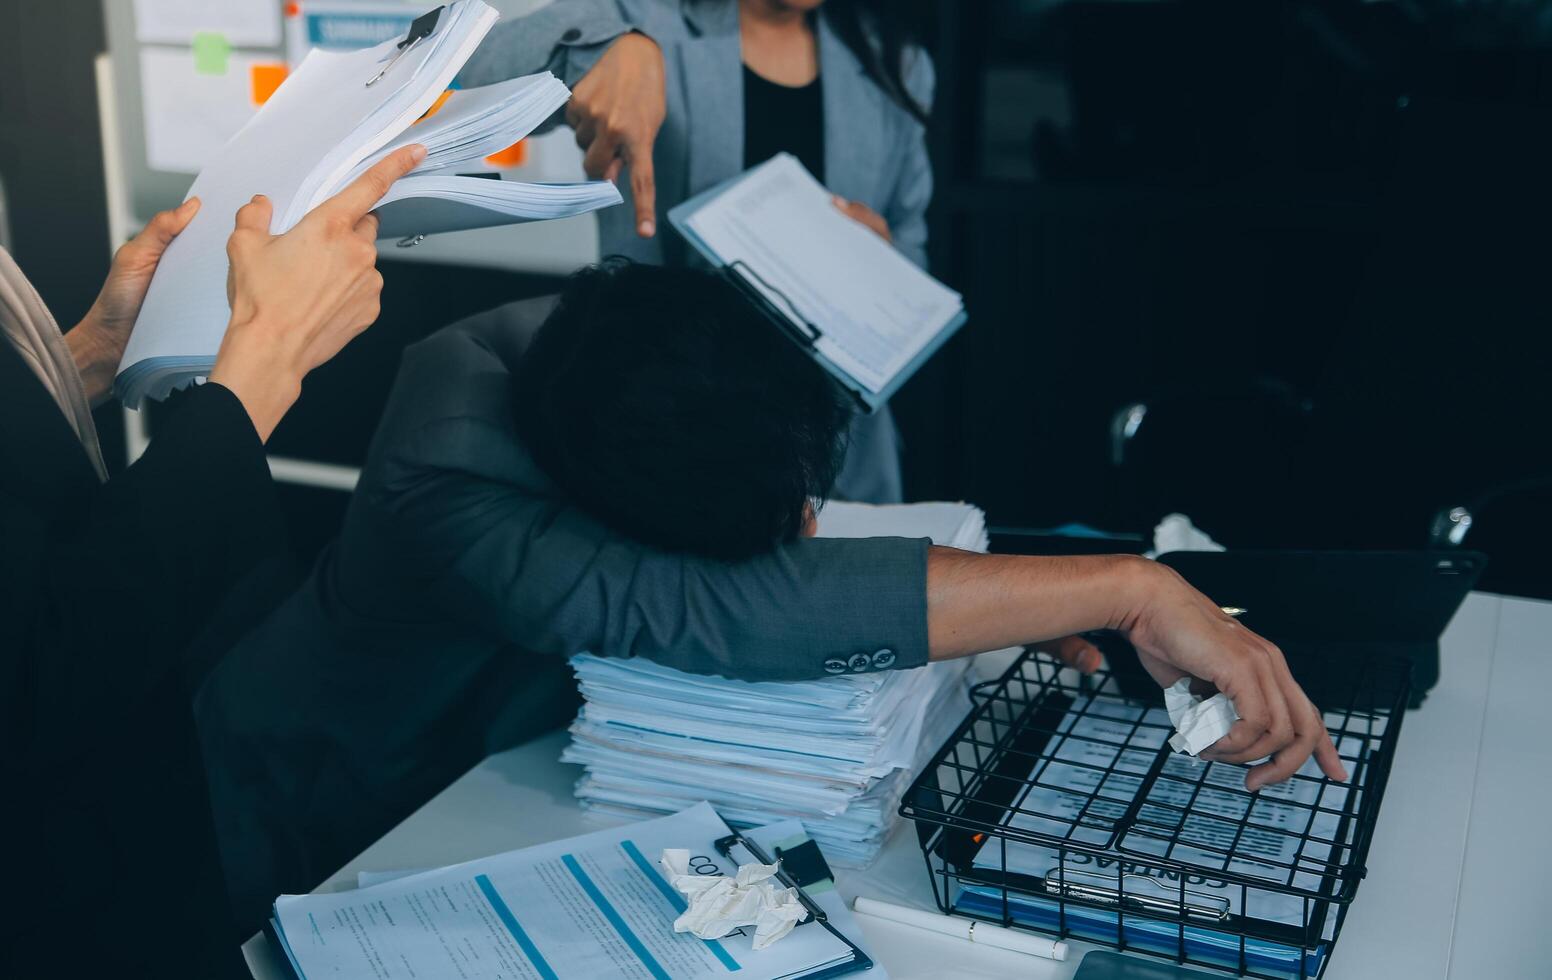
{"x":977,"y":603}
{"x":298,"y":298}
{"x":864,"y":216}
{"x":97,"y":342}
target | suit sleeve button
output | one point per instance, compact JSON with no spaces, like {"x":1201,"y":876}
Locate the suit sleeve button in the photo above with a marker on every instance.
{"x":835,"y":666}
{"x":883,"y":659}
{"x":860,"y":662}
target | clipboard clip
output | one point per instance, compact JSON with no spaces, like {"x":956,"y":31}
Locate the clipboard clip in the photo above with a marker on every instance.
{"x":803,"y":330}
{"x":725,"y":847}
{"x":421,"y":28}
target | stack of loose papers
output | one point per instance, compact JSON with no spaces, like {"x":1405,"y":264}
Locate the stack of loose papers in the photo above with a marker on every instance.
{"x":835,"y":753}
{"x":323,"y":127}
{"x":594,"y":906}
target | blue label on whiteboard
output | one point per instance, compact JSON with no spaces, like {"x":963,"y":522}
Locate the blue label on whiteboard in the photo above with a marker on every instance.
{"x":347,"y":31}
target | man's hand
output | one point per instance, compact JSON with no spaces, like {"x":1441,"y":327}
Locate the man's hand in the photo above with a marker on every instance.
{"x":1178,"y":632}
{"x":977,"y":603}
{"x":616,"y":110}
{"x":1074,"y":651}
{"x":97,"y":342}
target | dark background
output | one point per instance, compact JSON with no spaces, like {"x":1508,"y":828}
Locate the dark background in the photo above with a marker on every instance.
{"x":1311,"y":237}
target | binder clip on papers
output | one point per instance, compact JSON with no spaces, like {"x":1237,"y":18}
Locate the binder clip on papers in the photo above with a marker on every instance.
{"x":420,"y":29}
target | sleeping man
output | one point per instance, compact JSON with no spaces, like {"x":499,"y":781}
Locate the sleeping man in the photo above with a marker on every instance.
{"x":628,"y":470}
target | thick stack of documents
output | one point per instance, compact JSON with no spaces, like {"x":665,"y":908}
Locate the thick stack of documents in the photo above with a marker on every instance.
{"x":599,"y":905}
{"x":836,"y":753}
{"x":323,"y":127}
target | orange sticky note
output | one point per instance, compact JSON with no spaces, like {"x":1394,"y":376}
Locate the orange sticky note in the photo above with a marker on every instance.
{"x":437,"y":105}
{"x":266,"y":79}
{"x":513,"y":156}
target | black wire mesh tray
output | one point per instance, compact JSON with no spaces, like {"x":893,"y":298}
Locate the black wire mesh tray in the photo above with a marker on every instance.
{"x":1058,"y":806}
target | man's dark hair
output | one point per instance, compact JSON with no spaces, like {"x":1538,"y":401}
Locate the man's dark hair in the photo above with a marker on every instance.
{"x":664,"y":404}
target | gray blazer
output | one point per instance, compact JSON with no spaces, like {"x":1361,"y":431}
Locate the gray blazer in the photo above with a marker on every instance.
{"x":875,"y":152}
{"x":435,"y":630}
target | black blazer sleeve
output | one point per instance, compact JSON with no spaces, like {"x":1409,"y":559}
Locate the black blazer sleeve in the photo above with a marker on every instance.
{"x":103,"y":596}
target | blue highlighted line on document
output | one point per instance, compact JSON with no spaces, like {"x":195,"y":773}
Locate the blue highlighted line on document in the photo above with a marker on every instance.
{"x":613,"y":916}
{"x":510,"y":921}
{"x":676,"y":900}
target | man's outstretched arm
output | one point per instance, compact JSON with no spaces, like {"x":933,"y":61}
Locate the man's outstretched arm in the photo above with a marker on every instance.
{"x":979,"y":602}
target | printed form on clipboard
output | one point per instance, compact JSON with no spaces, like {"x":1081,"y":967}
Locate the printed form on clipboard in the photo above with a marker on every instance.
{"x":864,"y":310}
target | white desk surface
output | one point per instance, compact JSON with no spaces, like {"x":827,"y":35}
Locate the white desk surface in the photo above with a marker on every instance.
{"x":1456,"y":871}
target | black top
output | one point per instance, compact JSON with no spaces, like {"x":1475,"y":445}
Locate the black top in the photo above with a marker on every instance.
{"x":781,"y":118}
{"x":103,"y":588}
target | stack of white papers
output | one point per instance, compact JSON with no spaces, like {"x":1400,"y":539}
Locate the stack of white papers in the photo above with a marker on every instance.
{"x":599,"y":905}
{"x":323,"y":127}
{"x":835,"y":753}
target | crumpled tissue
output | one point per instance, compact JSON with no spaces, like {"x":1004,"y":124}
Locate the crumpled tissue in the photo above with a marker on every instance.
{"x":1198,"y":723}
{"x":718,"y":904}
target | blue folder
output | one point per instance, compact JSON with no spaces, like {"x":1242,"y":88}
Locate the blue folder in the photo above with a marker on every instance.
{"x":869,"y":400}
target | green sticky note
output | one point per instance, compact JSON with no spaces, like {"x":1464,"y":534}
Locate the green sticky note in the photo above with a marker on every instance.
{"x":210,"y":53}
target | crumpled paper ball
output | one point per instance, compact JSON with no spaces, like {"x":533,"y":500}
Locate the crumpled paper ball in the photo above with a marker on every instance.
{"x":718,"y":904}
{"x":1198,"y":723}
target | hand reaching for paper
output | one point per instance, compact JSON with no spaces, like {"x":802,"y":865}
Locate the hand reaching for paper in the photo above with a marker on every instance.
{"x":1179,"y":633}
{"x":298,"y":298}
{"x":977,"y":603}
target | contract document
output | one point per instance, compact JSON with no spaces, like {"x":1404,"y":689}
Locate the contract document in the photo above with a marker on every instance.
{"x":866,"y":312}
{"x":598,"y":905}
{"x":1087,"y":779}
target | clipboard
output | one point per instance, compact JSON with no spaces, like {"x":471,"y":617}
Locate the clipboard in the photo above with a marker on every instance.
{"x":791,"y":321}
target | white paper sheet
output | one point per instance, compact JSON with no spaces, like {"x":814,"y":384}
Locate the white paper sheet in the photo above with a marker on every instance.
{"x":876,"y":308}
{"x":244,"y":23}
{"x":591,"y":906}
{"x":189,"y":115}
{"x":309,"y":135}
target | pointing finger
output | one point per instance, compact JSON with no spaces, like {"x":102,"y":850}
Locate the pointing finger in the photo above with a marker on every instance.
{"x":643,"y":188}
{"x":352,"y":203}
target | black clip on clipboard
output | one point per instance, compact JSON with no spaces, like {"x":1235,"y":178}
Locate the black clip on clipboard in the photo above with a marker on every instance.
{"x":744,"y":279}
{"x":421,"y":28}
{"x":790,"y":321}
{"x":860,"y":961}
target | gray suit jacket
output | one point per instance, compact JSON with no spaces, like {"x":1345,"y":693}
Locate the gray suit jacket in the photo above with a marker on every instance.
{"x":875,"y":152}
{"x":436,"y":629}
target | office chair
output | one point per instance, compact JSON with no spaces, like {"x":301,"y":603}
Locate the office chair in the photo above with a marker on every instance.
{"x":1512,"y":524}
